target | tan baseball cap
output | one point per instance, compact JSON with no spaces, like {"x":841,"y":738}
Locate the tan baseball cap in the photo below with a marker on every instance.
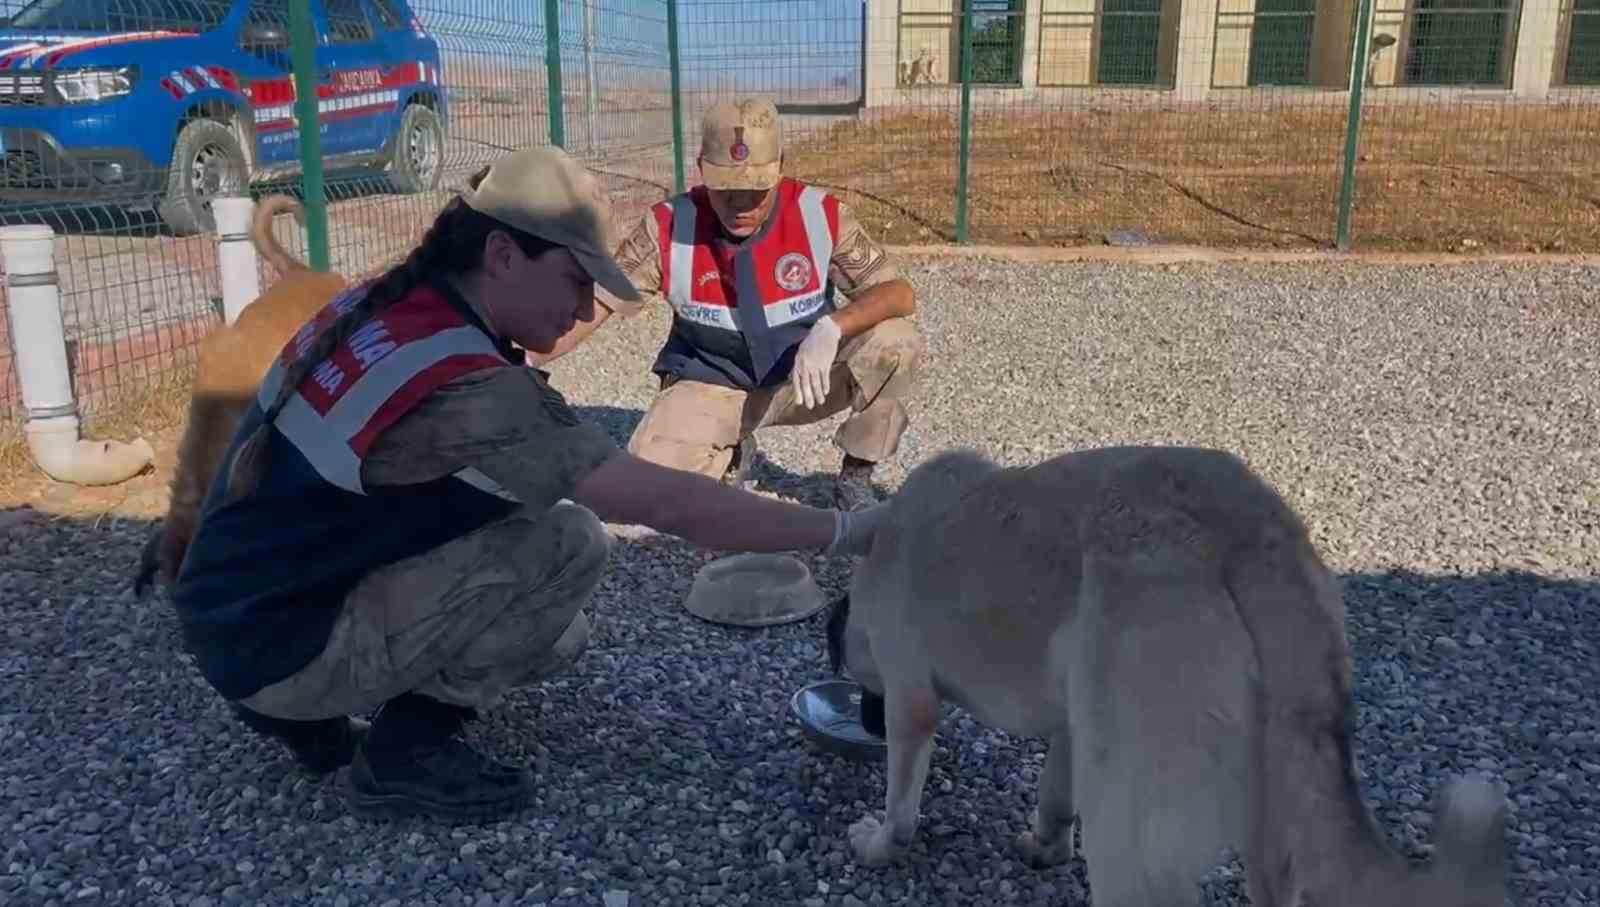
{"x":741,"y":145}
{"x":549,"y":194}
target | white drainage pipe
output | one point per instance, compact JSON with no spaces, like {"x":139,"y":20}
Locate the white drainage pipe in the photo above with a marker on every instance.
{"x":236,"y":254}
{"x":39,"y":343}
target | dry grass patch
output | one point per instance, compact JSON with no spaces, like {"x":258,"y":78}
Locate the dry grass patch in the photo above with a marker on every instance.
{"x":147,"y":410}
{"x":1511,"y":177}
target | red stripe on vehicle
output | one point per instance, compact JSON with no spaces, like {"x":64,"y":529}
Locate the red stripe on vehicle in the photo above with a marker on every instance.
{"x":224,"y":77}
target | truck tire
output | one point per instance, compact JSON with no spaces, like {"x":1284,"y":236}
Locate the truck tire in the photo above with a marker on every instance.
{"x":417,"y":161}
{"x":206,"y":160}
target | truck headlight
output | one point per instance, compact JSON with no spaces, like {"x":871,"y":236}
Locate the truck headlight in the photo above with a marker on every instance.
{"x":89,"y":86}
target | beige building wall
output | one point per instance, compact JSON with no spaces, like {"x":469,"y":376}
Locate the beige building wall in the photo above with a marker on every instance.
{"x":1538,"y":37}
{"x":1194,"y":35}
{"x":1199,"y":53}
{"x":1385,"y":67}
{"x":1230,"y":66}
{"x":1332,"y":35}
{"x":1067,"y":42}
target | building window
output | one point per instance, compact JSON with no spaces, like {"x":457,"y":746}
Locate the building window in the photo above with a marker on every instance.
{"x":1280,"y":42}
{"x":930,"y":42}
{"x":1460,"y":42}
{"x":1104,"y":42}
{"x":1581,"y":20}
{"x":996,"y":42}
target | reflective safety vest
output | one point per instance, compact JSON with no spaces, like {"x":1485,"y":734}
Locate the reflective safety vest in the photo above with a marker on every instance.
{"x":266,"y":575}
{"x":740,"y":307}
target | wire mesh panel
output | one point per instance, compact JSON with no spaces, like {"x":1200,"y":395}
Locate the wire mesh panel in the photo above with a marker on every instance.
{"x":492,"y":67}
{"x":78,"y":152}
{"x":1468,"y":137}
{"x":120,"y":119}
{"x":1221,"y":122}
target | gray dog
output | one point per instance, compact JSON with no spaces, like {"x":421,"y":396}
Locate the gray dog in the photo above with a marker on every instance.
{"x":1160,"y":615}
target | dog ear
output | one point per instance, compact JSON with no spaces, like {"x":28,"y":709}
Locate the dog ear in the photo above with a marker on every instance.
{"x":838,"y":619}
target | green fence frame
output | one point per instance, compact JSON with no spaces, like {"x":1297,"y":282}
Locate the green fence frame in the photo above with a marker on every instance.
{"x":315,"y":194}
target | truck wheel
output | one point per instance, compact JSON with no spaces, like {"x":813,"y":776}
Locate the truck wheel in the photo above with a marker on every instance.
{"x":418,"y":158}
{"x":206,"y":161}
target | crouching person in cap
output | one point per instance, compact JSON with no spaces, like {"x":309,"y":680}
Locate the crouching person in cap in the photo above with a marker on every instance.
{"x":784,"y":312}
{"x":409,"y":519}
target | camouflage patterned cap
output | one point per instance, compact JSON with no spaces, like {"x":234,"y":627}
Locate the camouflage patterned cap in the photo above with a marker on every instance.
{"x":741,"y":145}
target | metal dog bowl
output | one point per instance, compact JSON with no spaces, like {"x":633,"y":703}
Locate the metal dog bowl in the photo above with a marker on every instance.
{"x":830,"y":714}
{"x":755,"y":590}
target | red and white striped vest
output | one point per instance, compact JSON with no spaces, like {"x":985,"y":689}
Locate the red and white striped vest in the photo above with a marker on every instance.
{"x":739,"y":308}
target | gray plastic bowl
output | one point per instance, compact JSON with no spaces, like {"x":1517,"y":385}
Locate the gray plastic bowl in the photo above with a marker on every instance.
{"x":829,"y":713}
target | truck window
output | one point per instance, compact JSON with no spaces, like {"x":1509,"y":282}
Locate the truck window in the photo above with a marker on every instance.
{"x":266,"y":27}
{"x":388,"y":16}
{"x":347,"y":22}
{"x":121,"y":15}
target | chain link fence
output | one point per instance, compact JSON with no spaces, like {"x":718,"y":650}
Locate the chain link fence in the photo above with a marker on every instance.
{"x":1376,"y":124}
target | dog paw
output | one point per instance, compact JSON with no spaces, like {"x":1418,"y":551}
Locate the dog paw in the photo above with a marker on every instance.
{"x":872,"y":842}
{"x":1045,"y":854}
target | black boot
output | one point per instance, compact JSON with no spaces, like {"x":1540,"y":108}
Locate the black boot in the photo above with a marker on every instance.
{"x":414,"y":763}
{"x":852,"y":490}
{"x":318,"y":746}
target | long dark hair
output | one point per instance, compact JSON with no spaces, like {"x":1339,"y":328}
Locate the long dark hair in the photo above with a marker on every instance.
{"x":454,"y":244}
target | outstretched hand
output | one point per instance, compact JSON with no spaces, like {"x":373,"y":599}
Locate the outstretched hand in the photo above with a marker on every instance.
{"x":854,"y":530}
{"x":813,"y":362}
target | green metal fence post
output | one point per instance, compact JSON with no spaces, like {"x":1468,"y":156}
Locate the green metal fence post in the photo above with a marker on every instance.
{"x":966,"y":122}
{"x":303,"y":56}
{"x":675,"y":64}
{"x":1352,"y":131}
{"x":552,"y":68}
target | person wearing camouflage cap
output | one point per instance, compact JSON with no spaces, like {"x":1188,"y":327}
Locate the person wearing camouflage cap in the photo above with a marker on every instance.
{"x":785,"y":312}
{"x":410,"y":520}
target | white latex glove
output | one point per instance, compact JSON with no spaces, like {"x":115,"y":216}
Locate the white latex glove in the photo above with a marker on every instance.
{"x":853,"y":530}
{"x":813,"y":361}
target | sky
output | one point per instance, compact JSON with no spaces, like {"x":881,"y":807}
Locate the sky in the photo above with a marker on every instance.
{"x":782,"y":47}
{"x":778,"y":46}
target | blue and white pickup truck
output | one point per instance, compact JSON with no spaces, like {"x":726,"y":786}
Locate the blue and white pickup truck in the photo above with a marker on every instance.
{"x":168,"y":102}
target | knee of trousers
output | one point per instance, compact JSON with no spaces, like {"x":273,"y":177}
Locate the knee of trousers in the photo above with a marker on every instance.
{"x":893,"y":348}
{"x":584,"y":545}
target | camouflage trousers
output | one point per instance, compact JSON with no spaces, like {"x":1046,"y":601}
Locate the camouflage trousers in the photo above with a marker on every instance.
{"x":499,"y":607}
{"x":695,"y":426}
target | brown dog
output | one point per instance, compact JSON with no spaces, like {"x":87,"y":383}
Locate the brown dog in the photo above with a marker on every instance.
{"x":232,"y":360}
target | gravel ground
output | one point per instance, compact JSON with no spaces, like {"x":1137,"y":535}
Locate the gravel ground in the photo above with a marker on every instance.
{"x":1437,"y":426}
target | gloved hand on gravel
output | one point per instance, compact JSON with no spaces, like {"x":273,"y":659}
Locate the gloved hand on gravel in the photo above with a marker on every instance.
{"x":854,"y":530}
{"x":813,"y":361}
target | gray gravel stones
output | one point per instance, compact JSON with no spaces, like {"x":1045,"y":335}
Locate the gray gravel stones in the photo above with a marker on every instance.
{"x":1436,"y":425}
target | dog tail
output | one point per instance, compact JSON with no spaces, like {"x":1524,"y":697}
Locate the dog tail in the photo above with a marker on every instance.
{"x":149,"y":563}
{"x":267,"y":245}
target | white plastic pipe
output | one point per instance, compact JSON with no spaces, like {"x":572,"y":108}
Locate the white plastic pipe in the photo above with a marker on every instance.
{"x":39,"y":342}
{"x":236,"y":254}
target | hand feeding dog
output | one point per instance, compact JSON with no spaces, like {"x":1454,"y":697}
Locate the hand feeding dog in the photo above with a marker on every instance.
{"x":232,"y":359}
{"x":1160,"y":616}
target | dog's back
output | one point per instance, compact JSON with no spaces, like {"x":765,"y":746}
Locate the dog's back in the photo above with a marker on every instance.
{"x":1168,"y":607}
{"x":231,"y":362}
